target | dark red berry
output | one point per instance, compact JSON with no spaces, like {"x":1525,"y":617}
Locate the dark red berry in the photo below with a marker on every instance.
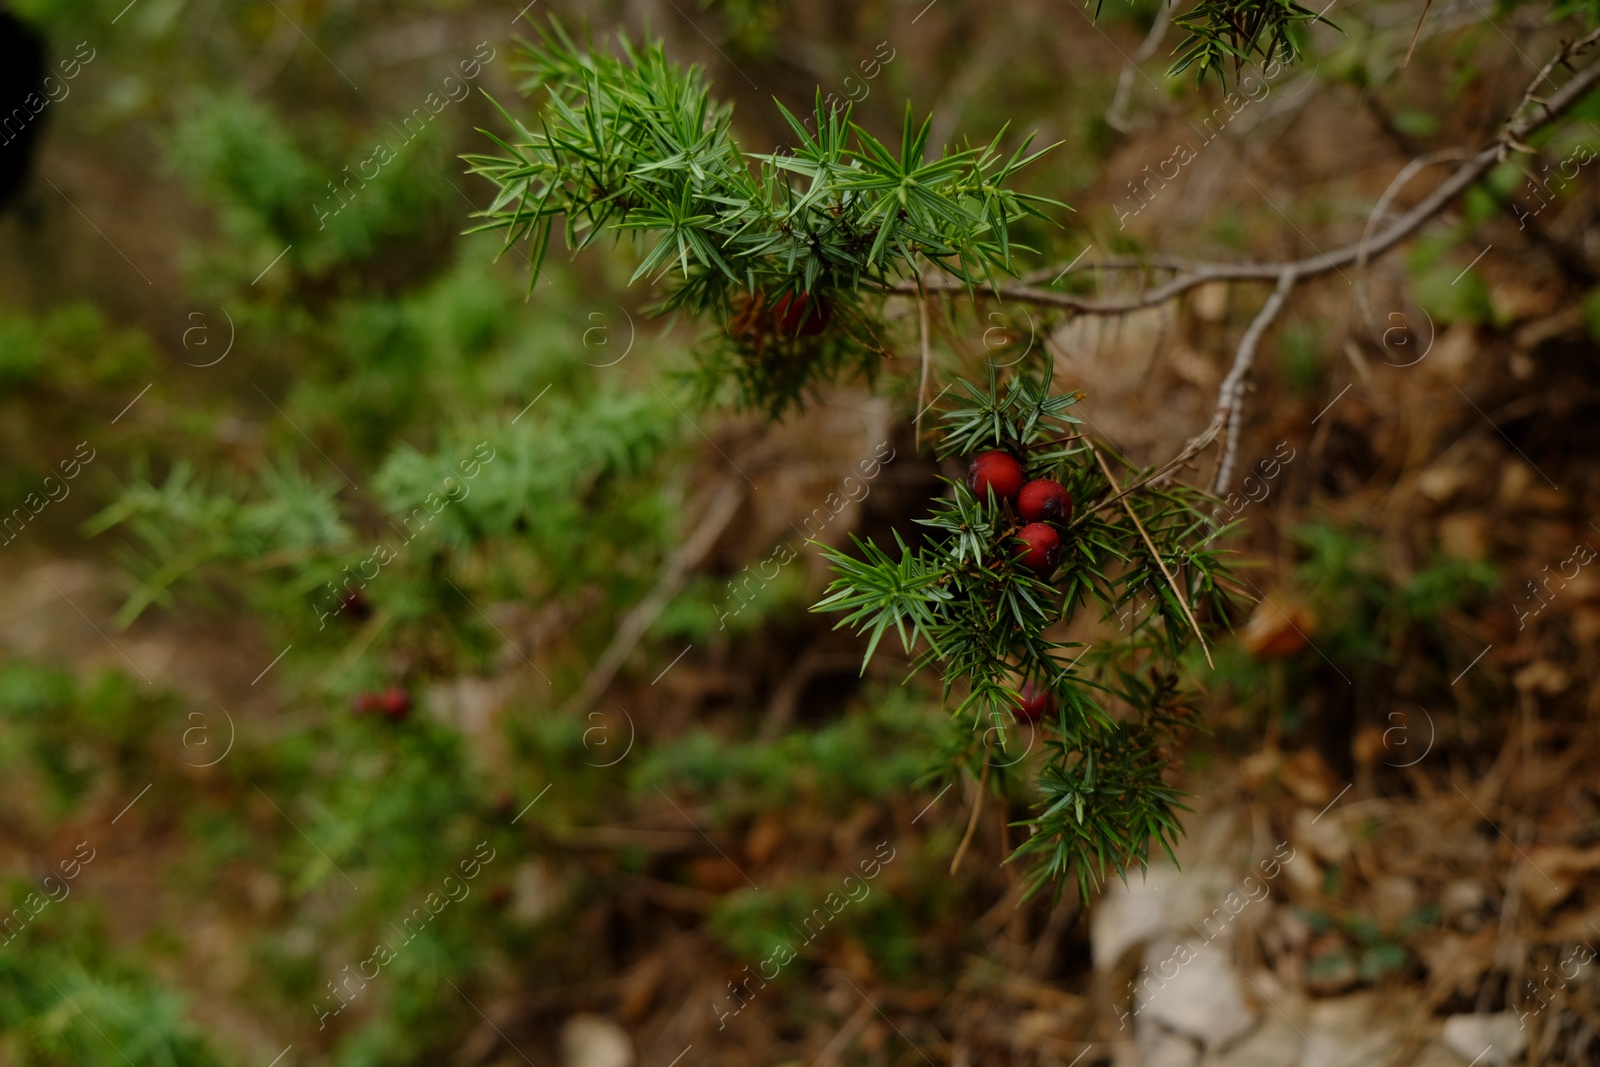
{"x":797,"y":315}
{"x":1035,"y":704}
{"x":394,"y":703}
{"x":997,"y":471}
{"x":1043,"y":500}
{"x":354,"y":605}
{"x":1041,"y":546}
{"x":499,"y":896}
{"x":364,"y":702}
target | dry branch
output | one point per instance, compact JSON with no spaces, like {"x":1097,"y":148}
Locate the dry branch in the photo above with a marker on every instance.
{"x":1194,"y":273}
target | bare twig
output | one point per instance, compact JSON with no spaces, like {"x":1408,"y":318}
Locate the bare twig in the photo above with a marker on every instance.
{"x":1230,"y":395}
{"x":1409,"y":171}
{"x":1516,"y":129}
{"x":833,"y":1051}
{"x":972,"y":823}
{"x":1416,"y":33}
{"x":1227,"y":395}
{"x":1145,"y":263}
{"x":718,"y":515}
{"x":1177,"y":591}
{"x":927,"y":357}
{"x":1116,"y":116}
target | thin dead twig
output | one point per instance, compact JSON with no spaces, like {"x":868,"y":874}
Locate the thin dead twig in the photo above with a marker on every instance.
{"x":1230,"y":394}
{"x":1183,"y":601}
{"x":972,"y":823}
{"x":718,"y":515}
{"x":1116,"y":114}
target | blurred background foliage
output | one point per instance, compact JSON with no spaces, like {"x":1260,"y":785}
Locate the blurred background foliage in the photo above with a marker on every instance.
{"x":276,"y":369}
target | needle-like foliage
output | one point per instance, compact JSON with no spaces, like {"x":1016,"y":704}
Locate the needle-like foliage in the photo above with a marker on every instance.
{"x":1236,"y":31}
{"x":632,"y":144}
{"x":962,"y":601}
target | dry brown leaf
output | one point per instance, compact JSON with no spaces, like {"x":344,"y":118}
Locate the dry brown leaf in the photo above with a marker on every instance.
{"x":1465,"y":535}
{"x":1279,"y":626}
{"x":1324,"y":837}
{"x":1258,"y":767}
{"x":1542,"y":676}
{"x":1309,"y":778}
{"x":764,"y":838}
{"x":714,"y":874}
{"x":1547,"y":874}
{"x":639,"y":986}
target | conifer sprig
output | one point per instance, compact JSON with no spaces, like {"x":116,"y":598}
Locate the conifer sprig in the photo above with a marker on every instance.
{"x":963,"y":602}
{"x":632,"y":144}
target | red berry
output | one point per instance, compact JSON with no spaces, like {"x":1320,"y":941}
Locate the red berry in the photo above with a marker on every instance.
{"x":997,"y":471}
{"x":364,"y":702}
{"x":1043,"y":500}
{"x":790,"y":315}
{"x":1036,"y":703}
{"x":394,"y":702}
{"x":1041,"y":547}
{"x":355,"y":605}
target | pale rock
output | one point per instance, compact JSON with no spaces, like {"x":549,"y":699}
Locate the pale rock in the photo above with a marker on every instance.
{"x":1275,"y":1043}
{"x":1131,"y":912}
{"x":1164,"y":900}
{"x":595,"y":1041}
{"x":1203,"y":999}
{"x":1346,"y":1032}
{"x":1469,"y":1036}
{"x":1161,"y":1048}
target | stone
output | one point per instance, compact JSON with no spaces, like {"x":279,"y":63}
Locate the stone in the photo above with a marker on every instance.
{"x":1162,"y":1048}
{"x":1275,"y":1043}
{"x":595,"y":1041}
{"x":1202,"y":999}
{"x":1346,"y":1032}
{"x":1131,"y":912}
{"x":1469,"y":1036}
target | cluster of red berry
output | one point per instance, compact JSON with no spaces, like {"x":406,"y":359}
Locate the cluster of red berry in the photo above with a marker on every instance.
{"x":1041,"y":504}
{"x":790,"y":316}
{"x":393,"y":703}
